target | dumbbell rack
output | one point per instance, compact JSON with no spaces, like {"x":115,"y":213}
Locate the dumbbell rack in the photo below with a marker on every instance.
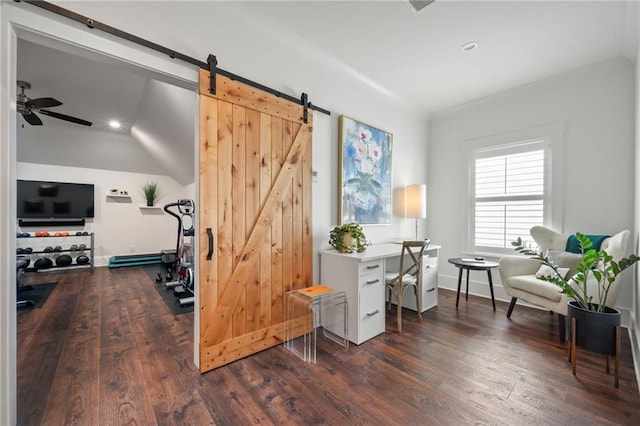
{"x":89,"y":249}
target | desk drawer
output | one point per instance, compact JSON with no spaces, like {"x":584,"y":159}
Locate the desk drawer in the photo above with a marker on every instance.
{"x":371,"y":313}
{"x":370,"y":281}
{"x":429,"y":262}
{"x":368,"y":268}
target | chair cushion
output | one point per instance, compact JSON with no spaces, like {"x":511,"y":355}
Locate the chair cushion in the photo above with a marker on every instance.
{"x":547,"y":271}
{"x":565,"y":259}
{"x":406,"y":279}
{"x":533,"y":285}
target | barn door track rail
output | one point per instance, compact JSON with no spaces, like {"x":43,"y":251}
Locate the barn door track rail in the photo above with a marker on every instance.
{"x":210,"y":65}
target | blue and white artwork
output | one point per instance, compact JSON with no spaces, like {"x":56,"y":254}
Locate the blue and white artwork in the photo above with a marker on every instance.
{"x":365,"y":173}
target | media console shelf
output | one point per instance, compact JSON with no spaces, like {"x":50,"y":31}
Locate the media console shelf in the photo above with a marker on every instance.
{"x":39,"y":244}
{"x":50,"y":222}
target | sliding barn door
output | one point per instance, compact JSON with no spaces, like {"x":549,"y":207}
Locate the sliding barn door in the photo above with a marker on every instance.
{"x":255,"y":217}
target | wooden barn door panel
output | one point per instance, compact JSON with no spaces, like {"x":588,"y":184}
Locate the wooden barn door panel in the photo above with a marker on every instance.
{"x":255,"y":201}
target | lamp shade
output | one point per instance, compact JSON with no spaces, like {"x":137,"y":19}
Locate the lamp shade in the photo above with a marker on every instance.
{"x":416,"y":201}
{"x":399,"y":204}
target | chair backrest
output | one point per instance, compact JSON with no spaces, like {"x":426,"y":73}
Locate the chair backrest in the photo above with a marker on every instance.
{"x":548,"y":239}
{"x":414,"y":252}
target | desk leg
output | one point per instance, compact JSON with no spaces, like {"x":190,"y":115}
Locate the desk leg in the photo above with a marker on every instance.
{"x":493,"y":300}
{"x":466,"y":297}
{"x":459,"y":285}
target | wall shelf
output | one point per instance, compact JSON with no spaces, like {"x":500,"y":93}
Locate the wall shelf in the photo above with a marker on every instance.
{"x":118,"y":196}
{"x":144,"y":207}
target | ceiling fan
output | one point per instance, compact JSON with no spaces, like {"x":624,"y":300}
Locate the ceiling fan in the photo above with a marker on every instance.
{"x":28,"y":106}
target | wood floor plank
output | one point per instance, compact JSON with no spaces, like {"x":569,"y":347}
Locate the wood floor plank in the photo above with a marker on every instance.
{"x":38,"y":361}
{"x":105,"y":349}
{"x":74,"y":391}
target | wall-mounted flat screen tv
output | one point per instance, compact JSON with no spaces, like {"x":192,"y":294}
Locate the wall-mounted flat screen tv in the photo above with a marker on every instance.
{"x":54,"y":200}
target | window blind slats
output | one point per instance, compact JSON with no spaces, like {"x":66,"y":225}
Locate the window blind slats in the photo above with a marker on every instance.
{"x":509,"y":197}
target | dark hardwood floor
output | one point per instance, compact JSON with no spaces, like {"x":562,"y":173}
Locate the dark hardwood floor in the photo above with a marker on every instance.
{"x":105,"y":350}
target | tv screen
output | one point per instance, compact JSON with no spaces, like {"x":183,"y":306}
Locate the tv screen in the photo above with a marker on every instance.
{"x":54,"y":200}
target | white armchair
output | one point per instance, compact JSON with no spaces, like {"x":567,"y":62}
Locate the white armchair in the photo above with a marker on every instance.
{"x":519,"y":279}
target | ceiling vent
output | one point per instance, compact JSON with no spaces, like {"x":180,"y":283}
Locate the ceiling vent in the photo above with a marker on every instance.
{"x":418,"y":5}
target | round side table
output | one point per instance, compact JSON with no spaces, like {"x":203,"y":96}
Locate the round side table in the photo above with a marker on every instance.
{"x":473,"y":265}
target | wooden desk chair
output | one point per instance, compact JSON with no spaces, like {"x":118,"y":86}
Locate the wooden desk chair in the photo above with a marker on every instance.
{"x":408,"y":276}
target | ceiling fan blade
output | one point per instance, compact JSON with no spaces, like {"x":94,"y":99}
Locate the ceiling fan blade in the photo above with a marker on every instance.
{"x":32,"y":119}
{"x":43,"y":103}
{"x":66,"y":117}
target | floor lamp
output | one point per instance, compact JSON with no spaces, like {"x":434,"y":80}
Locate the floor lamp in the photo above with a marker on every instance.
{"x":416,"y":203}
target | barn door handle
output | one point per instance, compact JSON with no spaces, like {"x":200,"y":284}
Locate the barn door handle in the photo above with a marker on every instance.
{"x":210,"y":236}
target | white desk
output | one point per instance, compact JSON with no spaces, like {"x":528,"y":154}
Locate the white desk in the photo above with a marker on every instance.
{"x":361,"y":277}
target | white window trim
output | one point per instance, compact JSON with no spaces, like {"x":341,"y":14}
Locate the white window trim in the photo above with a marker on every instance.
{"x":552,"y":136}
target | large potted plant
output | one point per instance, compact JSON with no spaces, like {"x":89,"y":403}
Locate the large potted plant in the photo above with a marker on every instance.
{"x":348,"y":238}
{"x":596,"y":272}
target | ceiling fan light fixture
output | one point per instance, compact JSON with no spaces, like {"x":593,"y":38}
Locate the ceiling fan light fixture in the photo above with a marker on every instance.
{"x":469,"y":46}
{"x":27,"y":107}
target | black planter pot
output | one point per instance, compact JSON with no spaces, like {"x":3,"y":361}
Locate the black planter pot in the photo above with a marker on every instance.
{"x":595,"y":331}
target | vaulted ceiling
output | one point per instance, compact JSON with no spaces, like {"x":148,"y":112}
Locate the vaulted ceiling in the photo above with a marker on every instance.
{"x":157,"y":119}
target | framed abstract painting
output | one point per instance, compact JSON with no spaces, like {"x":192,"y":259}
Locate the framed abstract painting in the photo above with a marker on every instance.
{"x":365,"y":173}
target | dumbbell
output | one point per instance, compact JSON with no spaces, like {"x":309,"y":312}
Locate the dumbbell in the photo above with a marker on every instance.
{"x":43,"y":263}
{"x":64,"y":260}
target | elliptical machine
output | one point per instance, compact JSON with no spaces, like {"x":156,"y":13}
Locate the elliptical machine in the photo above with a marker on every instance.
{"x":183,"y":286}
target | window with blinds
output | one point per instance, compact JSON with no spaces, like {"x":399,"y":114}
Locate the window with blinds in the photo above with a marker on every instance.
{"x":508,"y":193}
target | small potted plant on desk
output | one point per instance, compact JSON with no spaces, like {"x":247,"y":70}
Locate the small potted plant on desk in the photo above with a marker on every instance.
{"x":151,"y":193}
{"x":596,"y":272}
{"x":348,"y":238}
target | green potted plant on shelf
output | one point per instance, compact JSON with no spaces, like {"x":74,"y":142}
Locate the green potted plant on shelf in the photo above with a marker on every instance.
{"x":348,"y":238}
{"x":596,"y":273}
{"x":151,"y":192}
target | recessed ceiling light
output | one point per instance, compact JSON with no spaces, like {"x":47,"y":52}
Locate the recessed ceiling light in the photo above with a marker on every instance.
{"x":469,"y":46}
{"x":114,"y":124}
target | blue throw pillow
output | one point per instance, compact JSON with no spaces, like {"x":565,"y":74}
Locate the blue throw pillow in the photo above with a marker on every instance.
{"x":573,"y":245}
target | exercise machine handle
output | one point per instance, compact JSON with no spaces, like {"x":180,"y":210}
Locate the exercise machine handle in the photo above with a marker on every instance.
{"x":210,"y":236}
{"x":179,"y":203}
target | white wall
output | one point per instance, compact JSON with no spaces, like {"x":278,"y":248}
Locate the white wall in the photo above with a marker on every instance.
{"x":121,"y":227}
{"x":596,"y":105}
